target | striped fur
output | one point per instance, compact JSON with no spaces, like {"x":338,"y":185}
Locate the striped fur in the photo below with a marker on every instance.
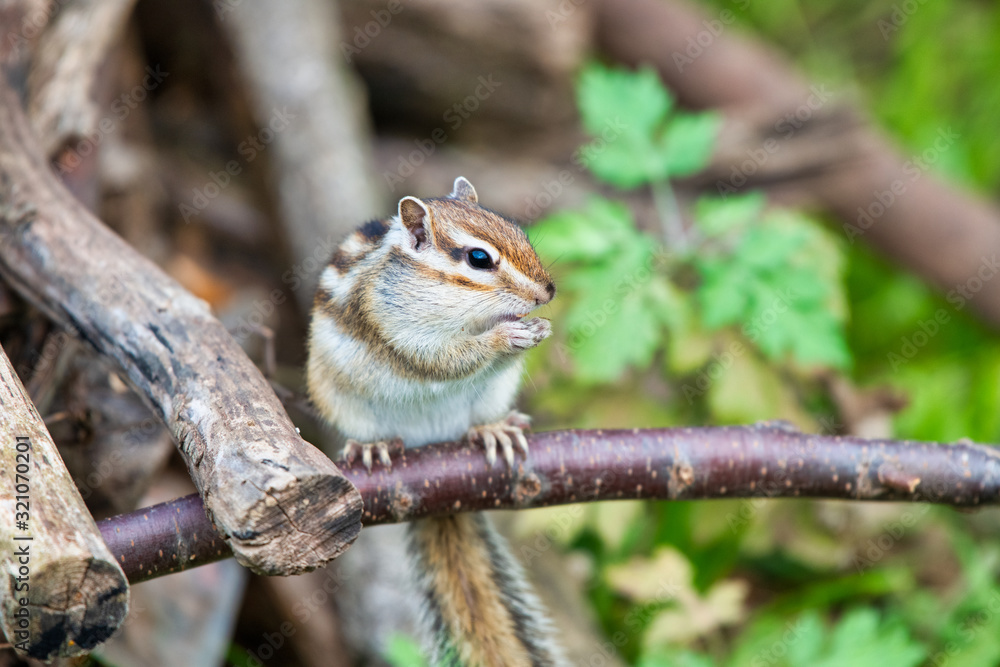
{"x":409,"y":340}
{"x":480,"y":612}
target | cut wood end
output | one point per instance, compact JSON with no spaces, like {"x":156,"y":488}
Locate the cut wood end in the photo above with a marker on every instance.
{"x":61,"y":626}
{"x":296,"y":529}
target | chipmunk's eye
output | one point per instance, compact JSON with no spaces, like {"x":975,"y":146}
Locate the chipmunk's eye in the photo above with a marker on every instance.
{"x":480,"y":259}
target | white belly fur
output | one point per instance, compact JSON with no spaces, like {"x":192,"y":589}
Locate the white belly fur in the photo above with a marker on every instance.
{"x":387,"y":406}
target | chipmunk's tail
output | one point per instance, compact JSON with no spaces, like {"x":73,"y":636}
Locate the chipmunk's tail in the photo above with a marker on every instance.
{"x":478,"y":608}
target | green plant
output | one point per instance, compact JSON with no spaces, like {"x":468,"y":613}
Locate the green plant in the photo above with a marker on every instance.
{"x":739,"y":294}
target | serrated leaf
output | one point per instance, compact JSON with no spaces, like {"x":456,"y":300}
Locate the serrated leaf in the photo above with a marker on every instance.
{"x":770,"y":286}
{"x":628,"y":337}
{"x":861,"y":640}
{"x":688,"y":142}
{"x":715,"y":216}
{"x":639,"y":140}
{"x":568,"y":236}
{"x":637,"y":99}
{"x":587,"y":235}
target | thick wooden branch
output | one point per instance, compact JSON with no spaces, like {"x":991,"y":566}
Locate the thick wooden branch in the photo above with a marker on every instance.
{"x":261,"y":482}
{"x":61,"y":592}
{"x":763,"y":461}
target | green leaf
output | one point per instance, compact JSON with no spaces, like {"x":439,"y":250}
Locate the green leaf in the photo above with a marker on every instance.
{"x":583,"y":236}
{"x":636,"y":140}
{"x":715,"y":216}
{"x":614,"y":323}
{"x":688,"y":142}
{"x":772,"y":283}
{"x":862,"y":640}
{"x":636,"y":99}
{"x":404,"y":651}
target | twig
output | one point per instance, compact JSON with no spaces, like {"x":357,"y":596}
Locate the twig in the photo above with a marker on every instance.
{"x":761,"y":461}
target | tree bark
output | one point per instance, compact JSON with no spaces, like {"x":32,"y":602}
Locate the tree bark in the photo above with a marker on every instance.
{"x":61,"y":591}
{"x":282,"y":505}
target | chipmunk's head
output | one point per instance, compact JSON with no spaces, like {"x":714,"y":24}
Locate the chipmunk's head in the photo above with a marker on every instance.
{"x":482,"y":258}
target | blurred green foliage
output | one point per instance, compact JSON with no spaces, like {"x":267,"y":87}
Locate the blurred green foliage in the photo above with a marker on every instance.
{"x":661,"y":324}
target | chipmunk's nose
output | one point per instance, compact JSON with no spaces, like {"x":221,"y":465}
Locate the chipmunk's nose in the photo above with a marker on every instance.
{"x":550,"y":291}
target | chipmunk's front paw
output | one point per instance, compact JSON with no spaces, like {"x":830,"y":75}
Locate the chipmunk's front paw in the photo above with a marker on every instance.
{"x":384,"y":448}
{"x":508,"y":432}
{"x":525,"y":334}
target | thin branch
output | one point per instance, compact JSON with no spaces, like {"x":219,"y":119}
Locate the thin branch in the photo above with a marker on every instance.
{"x":762,"y":461}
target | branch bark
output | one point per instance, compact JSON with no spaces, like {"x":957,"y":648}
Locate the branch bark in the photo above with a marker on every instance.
{"x":259,"y":478}
{"x":761,"y":461}
{"x":61,"y":592}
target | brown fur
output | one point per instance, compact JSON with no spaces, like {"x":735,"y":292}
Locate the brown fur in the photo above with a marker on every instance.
{"x":499,"y":231}
{"x":468,"y":597}
{"x":355,"y":319}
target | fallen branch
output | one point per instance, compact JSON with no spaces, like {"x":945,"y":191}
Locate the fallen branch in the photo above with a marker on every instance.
{"x":258,"y":477}
{"x":61,"y":593}
{"x":762,"y":461}
{"x":320,"y":152}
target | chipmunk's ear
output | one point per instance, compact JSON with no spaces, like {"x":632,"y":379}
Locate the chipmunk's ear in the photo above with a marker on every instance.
{"x":416,"y":217}
{"x":464,"y":190}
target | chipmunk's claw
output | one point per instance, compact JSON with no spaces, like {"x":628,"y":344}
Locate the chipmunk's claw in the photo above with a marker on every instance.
{"x":384,"y":449}
{"x":509,"y":433}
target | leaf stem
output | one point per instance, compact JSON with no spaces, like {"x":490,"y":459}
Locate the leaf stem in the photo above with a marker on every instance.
{"x":669,"y":213}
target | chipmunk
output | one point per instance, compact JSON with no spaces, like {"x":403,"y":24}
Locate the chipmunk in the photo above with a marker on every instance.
{"x":417,"y":331}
